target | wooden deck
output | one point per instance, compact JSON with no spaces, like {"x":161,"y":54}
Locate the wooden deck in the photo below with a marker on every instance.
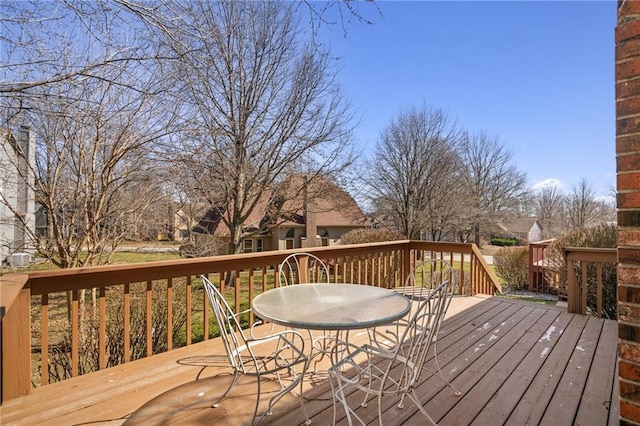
{"x":516,"y":363}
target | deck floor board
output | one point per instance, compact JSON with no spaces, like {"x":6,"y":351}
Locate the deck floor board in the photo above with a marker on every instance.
{"x":516,"y":363}
{"x":506,"y":399}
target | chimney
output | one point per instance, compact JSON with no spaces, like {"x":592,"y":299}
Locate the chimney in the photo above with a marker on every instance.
{"x":310,"y":217}
{"x":24,"y":196}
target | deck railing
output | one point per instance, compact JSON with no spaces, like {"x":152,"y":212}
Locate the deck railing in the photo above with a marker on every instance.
{"x":63,"y":323}
{"x":540,"y":278}
{"x":586,"y":268}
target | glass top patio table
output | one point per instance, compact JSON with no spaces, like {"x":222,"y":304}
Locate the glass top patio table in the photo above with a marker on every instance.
{"x":331,"y":306}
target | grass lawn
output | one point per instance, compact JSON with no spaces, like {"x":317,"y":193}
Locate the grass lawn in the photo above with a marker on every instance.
{"x":119,"y":257}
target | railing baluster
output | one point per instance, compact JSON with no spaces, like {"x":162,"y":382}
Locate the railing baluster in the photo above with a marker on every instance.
{"x":251,"y":294}
{"x":364,"y":278}
{"x":44,"y":339}
{"x":462,"y":273}
{"x":583,"y":288}
{"x":236,"y":292}
{"x":599,"y":289}
{"x":189,"y":319}
{"x":169,"y":314}
{"x":102,"y":333}
{"x":205,"y":309}
{"x":149,"y":315}
{"x":75,"y":335}
{"x":127,"y":323}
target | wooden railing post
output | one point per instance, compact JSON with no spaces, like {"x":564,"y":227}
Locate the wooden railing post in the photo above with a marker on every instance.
{"x":304,"y":273}
{"x":577,"y":288}
{"x":406,"y":265}
{"x":16,"y":341}
{"x":575,"y":291}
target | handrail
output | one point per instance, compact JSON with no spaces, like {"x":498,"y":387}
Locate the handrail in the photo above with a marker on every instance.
{"x":490,"y":280}
{"x":578,"y":260}
{"x":540,"y":281}
{"x":15,"y":351}
{"x":139,"y":289}
{"x":12,"y":285}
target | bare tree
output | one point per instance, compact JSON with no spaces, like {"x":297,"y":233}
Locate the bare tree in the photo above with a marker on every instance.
{"x":92,"y":171}
{"x":339,"y":12}
{"x":548,"y":208}
{"x":94,"y":38}
{"x":411,"y":172}
{"x":492,"y":181}
{"x":582,"y":209}
{"x":259,"y":104}
{"x":104,"y":34}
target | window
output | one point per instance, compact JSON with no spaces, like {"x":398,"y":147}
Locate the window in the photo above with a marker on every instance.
{"x":324,"y":236}
{"x":248,"y":245}
{"x":289,"y":239}
{"x":259,"y":245}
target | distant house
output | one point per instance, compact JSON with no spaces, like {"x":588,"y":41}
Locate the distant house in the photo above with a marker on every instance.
{"x":303,"y":221}
{"x":186,"y":217}
{"x":17,"y":199}
{"x":525,"y":229}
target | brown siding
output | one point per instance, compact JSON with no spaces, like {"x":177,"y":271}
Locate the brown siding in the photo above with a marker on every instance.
{"x":628,"y":203}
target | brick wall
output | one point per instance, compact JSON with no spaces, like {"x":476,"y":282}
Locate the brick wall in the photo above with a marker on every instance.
{"x":627,"y":76}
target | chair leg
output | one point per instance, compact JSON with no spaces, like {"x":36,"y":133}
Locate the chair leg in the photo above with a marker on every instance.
{"x":236,"y":377}
{"x":435,"y":356}
{"x":334,"y":397}
{"x":300,"y":397}
{"x":412,"y":395}
{"x":283,"y":391}
{"x":338,"y":393}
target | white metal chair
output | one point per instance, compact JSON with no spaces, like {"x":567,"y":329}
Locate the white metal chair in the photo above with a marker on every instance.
{"x":395,"y":370}
{"x":419,"y":284}
{"x":286,"y":356}
{"x":299,"y":268}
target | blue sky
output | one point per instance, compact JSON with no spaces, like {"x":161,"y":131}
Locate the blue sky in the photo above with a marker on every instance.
{"x":539,"y":75}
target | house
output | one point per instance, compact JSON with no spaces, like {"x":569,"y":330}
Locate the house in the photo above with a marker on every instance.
{"x":316,"y":216}
{"x":524,"y":229}
{"x":17,"y":198}
{"x":186,"y":217}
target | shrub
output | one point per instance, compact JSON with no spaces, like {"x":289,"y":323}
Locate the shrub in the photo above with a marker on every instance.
{"x":601,"y":236}
{"x":367,"y":268}
{"x":204,"y":247}
{"x":512,"y":265}
{"x":60,"y":363}
{"x":377,"y":235}
{"x":504,"y":242}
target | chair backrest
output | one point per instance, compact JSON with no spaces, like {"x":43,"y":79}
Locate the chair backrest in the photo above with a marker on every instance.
{"x":303,"y":268}
{"x":425,"y":277}
{"x":421,"y":331}
{"x":227,"y":320}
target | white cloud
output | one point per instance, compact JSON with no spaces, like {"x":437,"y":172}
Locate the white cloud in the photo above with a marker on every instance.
{"x":546,"y":183}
